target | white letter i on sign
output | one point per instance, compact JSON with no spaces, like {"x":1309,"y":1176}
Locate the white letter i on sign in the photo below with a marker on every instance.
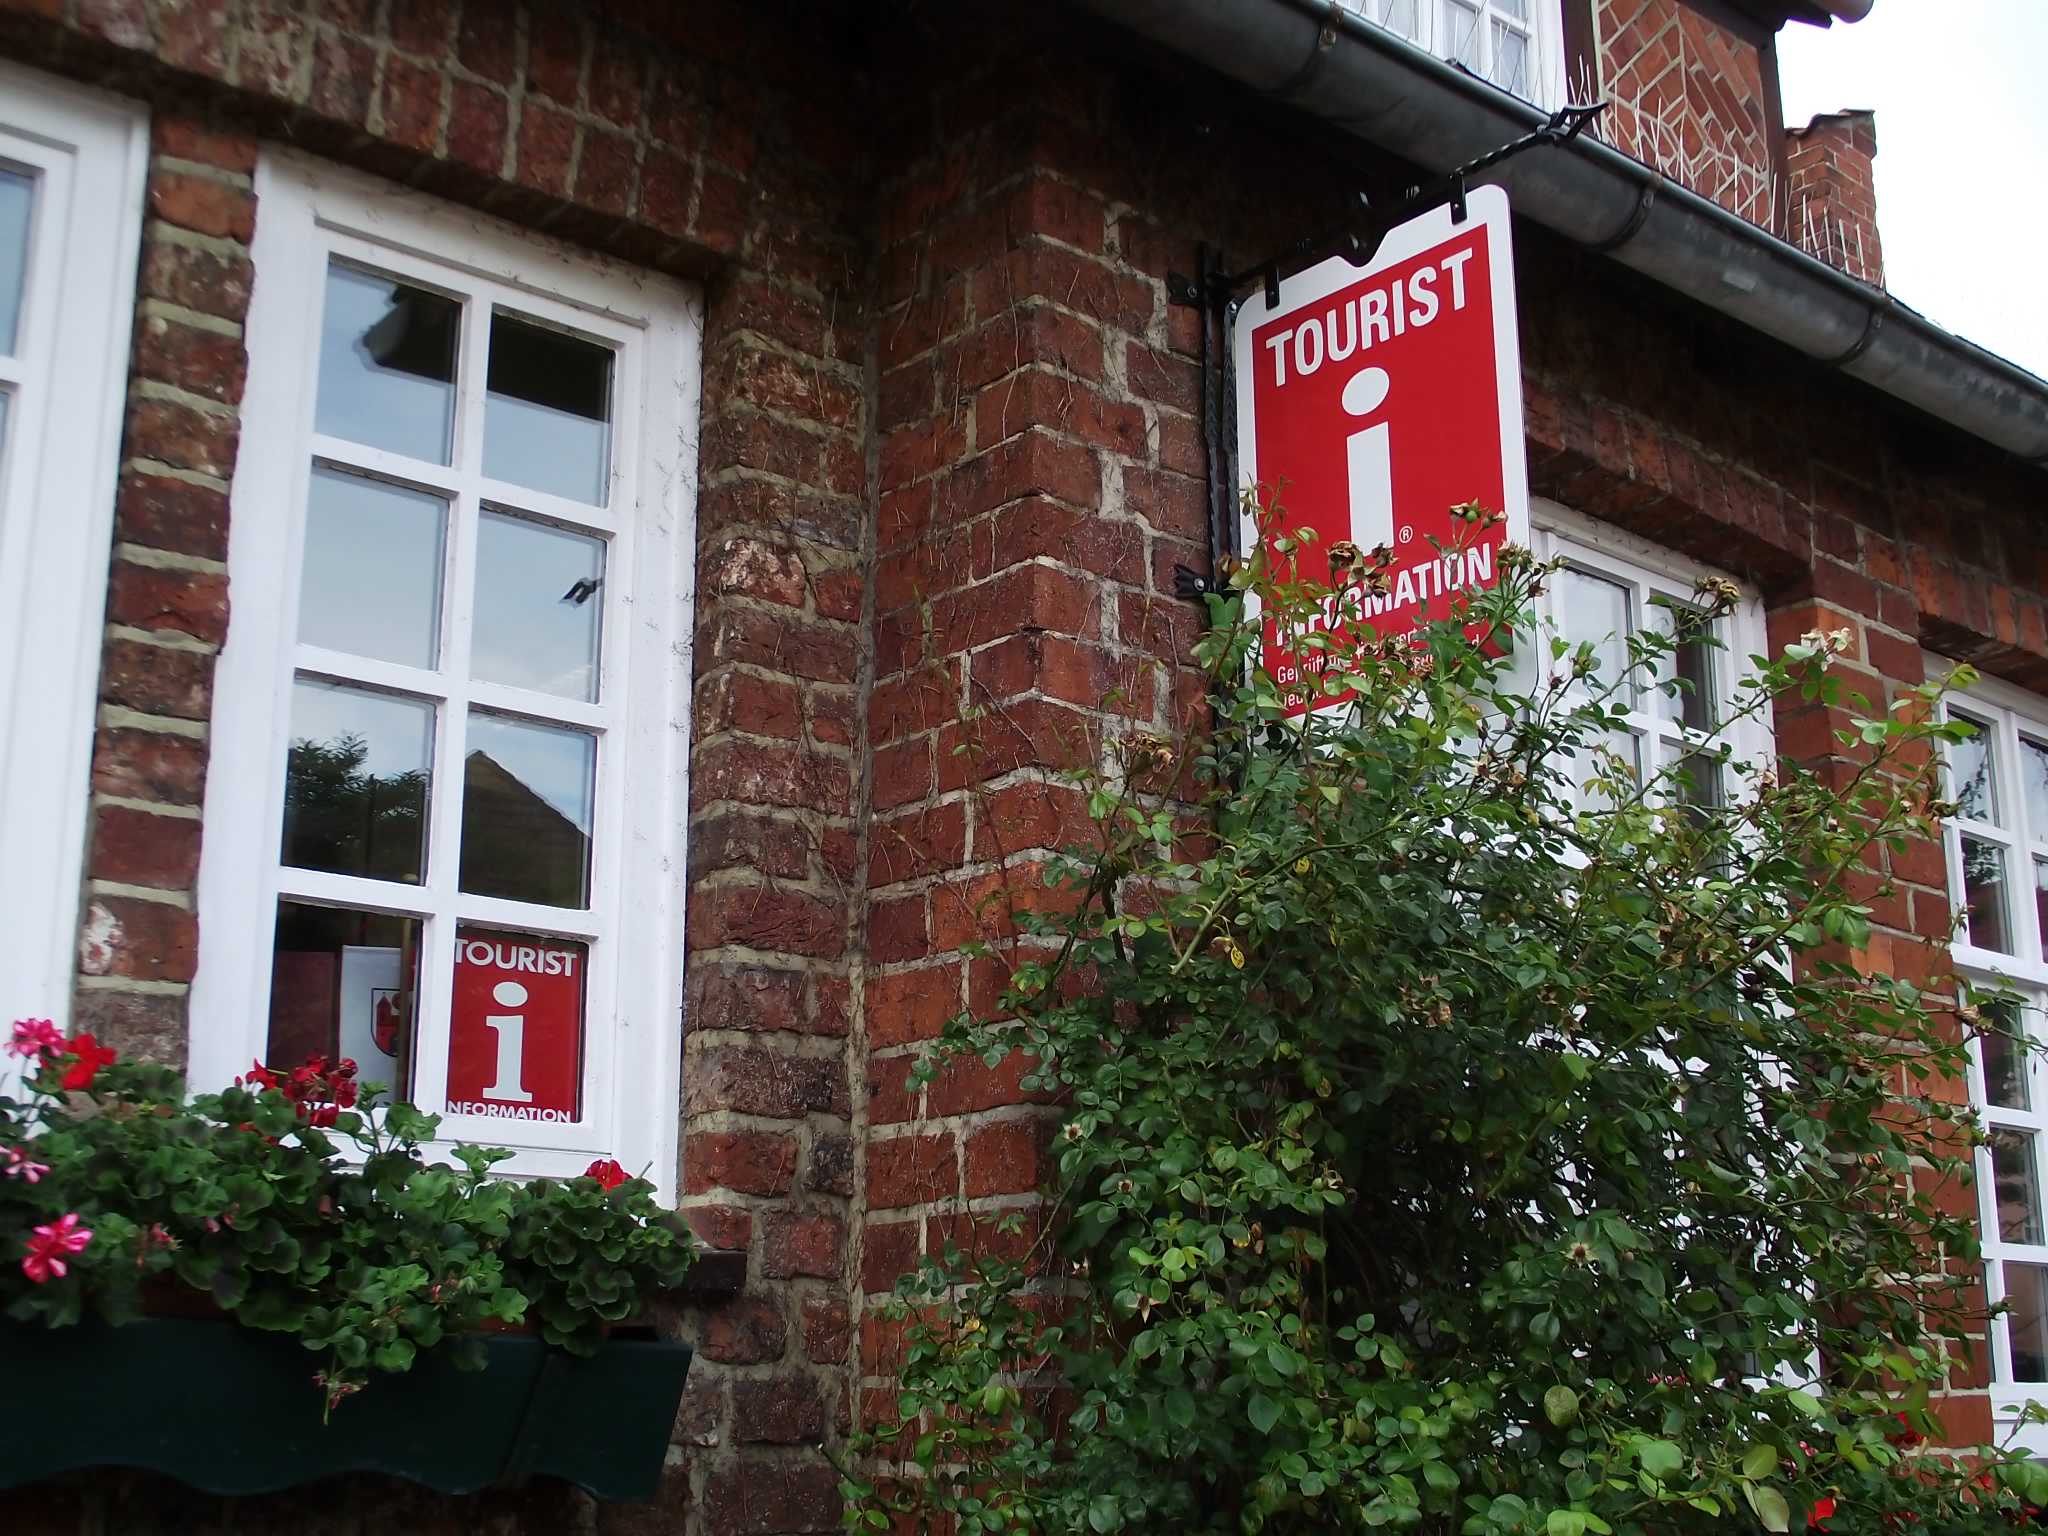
{"x":1369,"y":460}
{"x":511,"y":1028}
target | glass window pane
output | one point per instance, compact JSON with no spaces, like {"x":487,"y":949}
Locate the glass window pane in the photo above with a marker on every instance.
{"x":2003,"y":1043}
{"x":1685,"y":683}
{"x":2034,"y":787}
{"x":1399,"y":16}
{"x":526,"y":802}
{"x":4,"y":398}
{"x":342,"y":984}
{"x":2017,"y":1185}
{"x":1985,"y":918}
{"x":1700,"y":780}
{"x":17,"y":204}
{"x":547,"y":417}
{"x":1519,"y":9}
{"x":2026,"y":1320}
{"x":370,"y":582}
{"x":2041,"y":903}
{"x":515,"y":1041}
{"x":1594,"y":611}
{"x":538,"y":606}
{"x":387,"y":365}
{"x":1461,"y":33}
{"x":1969,"y":765}
{"x":1510,"y":60}
{"x":356,"y":782}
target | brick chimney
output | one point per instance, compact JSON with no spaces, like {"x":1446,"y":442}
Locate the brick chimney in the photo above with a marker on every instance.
{"x":1833,"y":200}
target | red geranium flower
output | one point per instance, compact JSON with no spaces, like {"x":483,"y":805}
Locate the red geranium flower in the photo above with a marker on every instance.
{"x":48,"y":1247}
{"x":607,"y":1172}
{"x":91,"y":1057}
{"x":35,"y":1037}
{"x":1823,"y":1507}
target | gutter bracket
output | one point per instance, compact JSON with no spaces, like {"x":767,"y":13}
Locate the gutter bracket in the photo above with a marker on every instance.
{"x":1326,"y":39}
{"x":1871,"y":327}
{"x":1636,"y":220}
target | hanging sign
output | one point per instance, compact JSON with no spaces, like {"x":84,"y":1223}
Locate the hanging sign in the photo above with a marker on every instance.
{"x":515,"y":1039}
{"x":1372,"y":400}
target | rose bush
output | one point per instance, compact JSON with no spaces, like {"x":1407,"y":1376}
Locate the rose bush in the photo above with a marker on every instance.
{"x":1461,"y":1133}
{"x":296,"y":1203}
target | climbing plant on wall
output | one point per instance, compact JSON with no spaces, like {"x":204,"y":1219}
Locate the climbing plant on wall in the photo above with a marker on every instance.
{"x":1460,"y":1133}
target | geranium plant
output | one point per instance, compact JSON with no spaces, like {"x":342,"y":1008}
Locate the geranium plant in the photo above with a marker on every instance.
{"x":1461,"y":1133}
{"x":293,"y":1202}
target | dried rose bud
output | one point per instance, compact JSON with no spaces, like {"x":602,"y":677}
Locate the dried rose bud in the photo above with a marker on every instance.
{"x":1145,"y":753}
{"x":1344,"y":554}
{"x":1724,"y":593}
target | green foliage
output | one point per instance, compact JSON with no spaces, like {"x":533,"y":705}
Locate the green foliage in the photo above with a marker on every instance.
{"x":341,"y":1232}
{"x":1460,"y":1135}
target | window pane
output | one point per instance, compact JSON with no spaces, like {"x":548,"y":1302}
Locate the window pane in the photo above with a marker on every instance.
{"x":1700,"y":784}
{"x":2041,"y":903}
{"x":515,"y":1042}
{"x":1399,"y":16}
{"x":1985,"y":920}
{"x":2017,"y":1185}
{"x":1510,"y":60}
{"x":17,"y":203}
{"x":1461,"y":33}
{"x":538,"y":603}
{"x":2034,"y":786}
{"x":370,"y":583}
{"x":387,"y":365}
{"x":526,"y":800}
{"x":2026,"y":1321}
{"x":1519,"y":9}
{"x":342,"y":983}
{"x":356,"y":781}
{"x":547,"y":416}
{"x":2003,"y":1043}
{"x":1969,"y":764}
{"x":1593,"y":611}
{"x":1685,"y":690}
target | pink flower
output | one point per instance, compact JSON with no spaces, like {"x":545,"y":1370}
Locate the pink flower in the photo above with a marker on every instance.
{"x":35,"y":1037}
{"x":607,"y":1172}
{"x":19,"y":1166}
{"x":49,"y":1246}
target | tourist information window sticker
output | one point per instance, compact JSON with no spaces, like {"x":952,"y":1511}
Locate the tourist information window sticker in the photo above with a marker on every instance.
{"x":515,"y":1042}
{"x":1372,"y":400}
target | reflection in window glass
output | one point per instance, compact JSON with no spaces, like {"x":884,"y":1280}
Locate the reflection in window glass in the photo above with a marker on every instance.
{"x":1686,"y":688}
{"x":2034,"y":787}
{"x":526,"y":809}
{"x":538,"y":606}
{"x":1985,"y":919}
{"x":2005,"y":1056}
{"x":1969,"y":763}
{"x":387,"y":365}
{"x":2017,"y":1185}
{"x":370,"y":583}
{"x":17,"y":204}
{"x":356,"y":782}
{"x":342,"y":984}
{"x":1595,"y":612}
{"x":1510,"y":60}
{"x":2026,"y":1322}
{"x":547,"y":416}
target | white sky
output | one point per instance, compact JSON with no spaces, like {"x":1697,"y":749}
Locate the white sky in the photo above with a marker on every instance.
{"x":1962,"y":154}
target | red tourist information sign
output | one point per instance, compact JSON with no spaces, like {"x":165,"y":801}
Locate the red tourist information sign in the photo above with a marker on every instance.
{"x":515,"y":1042}
{"x":1374,"y":399}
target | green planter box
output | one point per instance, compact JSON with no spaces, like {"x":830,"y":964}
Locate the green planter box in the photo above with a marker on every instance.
{"x":229,"y":1409}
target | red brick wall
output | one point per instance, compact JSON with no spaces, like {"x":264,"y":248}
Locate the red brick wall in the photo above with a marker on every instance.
{"x":1692,"y":99}
{"x":1832,"y":192}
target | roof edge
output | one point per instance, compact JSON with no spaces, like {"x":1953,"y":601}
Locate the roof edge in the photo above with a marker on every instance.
{"x":1320,"y":58}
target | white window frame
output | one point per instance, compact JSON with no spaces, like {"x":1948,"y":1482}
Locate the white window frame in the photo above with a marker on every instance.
{"x":1543,"y":27}
{"x":308,"y":211}
{"x":1649,"y":570}
{"x":2009,"y":712}
{"x":89,"y":153}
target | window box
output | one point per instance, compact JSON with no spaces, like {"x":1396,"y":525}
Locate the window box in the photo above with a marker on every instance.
{"x":231,"y":1410}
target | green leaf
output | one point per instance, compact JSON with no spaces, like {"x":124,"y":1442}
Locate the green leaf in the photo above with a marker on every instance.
{"x":1770,"y":1507}
{"x":1103,"y":1513}
{"x":1561,"y":1406}
{"x":1263,"y":1412}
{"x":1759,"y":1461}
{"x":1565,"y":1522}
{"x":1659,"y":1458}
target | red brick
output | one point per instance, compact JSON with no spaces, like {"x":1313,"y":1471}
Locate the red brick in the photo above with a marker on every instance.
{"x":412,"y":104}
{"x":780,"y":1411}
{"x":546,"y":141}
{"x":733,"y":838}
{"x":746,"y":1162}
{"x":801,"y":1243}
{"x":911,"y":1170}
{"x":604,"y":172}
{"x":182,"y":437}
{"x":205,"y":207}
{"x":139,"y":940}
{"x":746,"y":701}
{"x":770,"y":773}
{"x":192,"y":37}
{"x":134,"y":847}
{"x":204,"y":362}
{"x":889,"y":1249}
{"x":156,"y":680}
{"x":344,"y":77}
{"x":754,"y":1080}
{"x":721,"y":1228}
{"x":748,"y":1330}
{"x":745,"y":997}
{"x":827,"y":1330}
{"x":926,"y":841}
{"x":149,"y":597}
{"x":1008,"y":1157}
{"x":477,"y":119}
{"x":148,"y":765}
{"x":185,"y":139}
{"x":757,"y":1498}
{"x":904,"y":1006}
{"x":211,"y":282}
